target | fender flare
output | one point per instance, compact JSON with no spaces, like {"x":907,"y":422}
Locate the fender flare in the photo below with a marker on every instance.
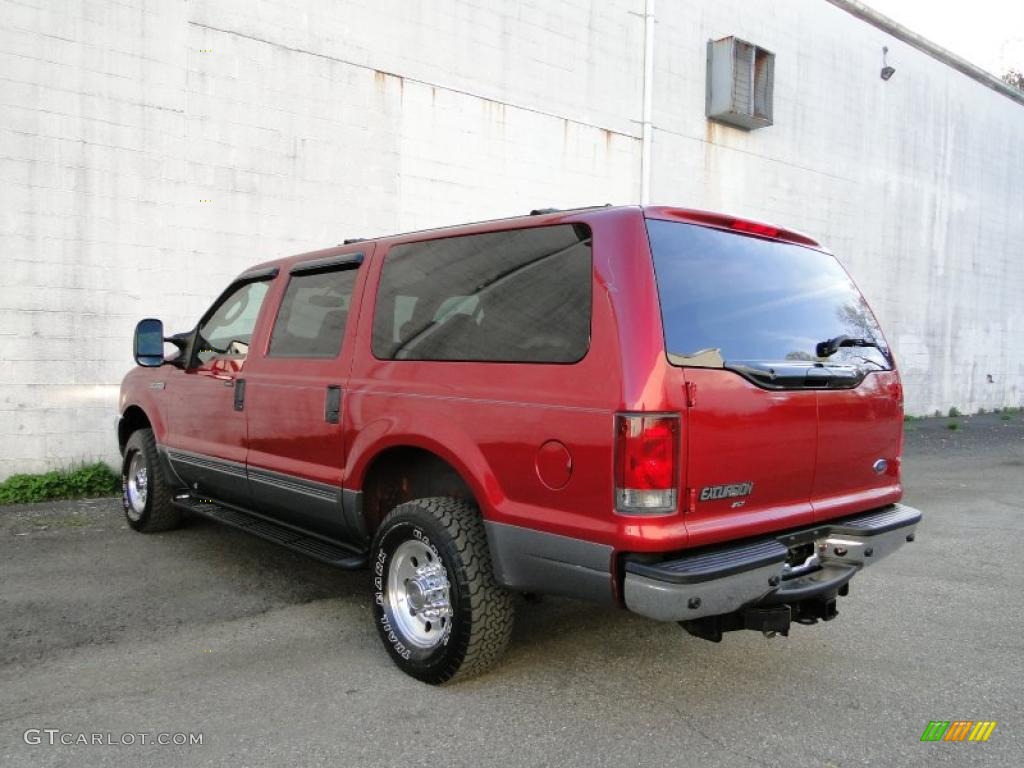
{"x":457,"y":450}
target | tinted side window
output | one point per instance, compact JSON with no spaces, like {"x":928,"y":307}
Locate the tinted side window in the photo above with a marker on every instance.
{"x":517,"y":296}
{"x":228,"y":329}
{"x":311,"y":320}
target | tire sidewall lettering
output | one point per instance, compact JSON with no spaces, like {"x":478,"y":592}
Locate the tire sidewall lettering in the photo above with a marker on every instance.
{"x":378,"y":577}
{"x":124,"y":478}
{"x":389,"y":542}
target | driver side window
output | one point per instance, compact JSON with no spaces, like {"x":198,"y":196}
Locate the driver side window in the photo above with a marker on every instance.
{"x":228,"y":330}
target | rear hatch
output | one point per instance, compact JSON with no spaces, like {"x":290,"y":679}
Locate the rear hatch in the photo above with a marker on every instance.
{"x":795,"y":409}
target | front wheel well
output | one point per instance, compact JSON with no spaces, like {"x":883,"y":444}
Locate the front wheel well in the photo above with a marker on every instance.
{"x":404,"y":473}
{"x":133,"y":419}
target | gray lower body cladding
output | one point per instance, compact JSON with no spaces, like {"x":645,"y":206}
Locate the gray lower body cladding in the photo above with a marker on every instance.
{"x":308,"y":505}
{"x":527,"y":560}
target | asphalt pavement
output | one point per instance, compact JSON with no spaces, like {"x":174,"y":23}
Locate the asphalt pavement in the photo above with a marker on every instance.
{"x":272,"y":659}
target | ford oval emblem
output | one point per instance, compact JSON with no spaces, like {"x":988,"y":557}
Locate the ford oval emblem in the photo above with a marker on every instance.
{"x":880,"y":466}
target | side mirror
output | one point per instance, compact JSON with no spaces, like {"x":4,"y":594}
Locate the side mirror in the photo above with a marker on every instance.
{"x":149,"y":343}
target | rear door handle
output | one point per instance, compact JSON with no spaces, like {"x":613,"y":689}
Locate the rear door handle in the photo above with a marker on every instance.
{"x":332,"y":404}
{"x":239,"y":394}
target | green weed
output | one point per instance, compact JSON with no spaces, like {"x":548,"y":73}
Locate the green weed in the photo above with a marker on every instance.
{"x":80,"y":482}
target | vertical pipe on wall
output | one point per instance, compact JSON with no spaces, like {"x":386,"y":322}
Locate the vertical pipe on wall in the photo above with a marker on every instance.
{"x":646,"y":129}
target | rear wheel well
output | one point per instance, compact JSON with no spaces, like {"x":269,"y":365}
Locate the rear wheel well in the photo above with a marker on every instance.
{"x":133,"y":418}
{"x":404,"y":473}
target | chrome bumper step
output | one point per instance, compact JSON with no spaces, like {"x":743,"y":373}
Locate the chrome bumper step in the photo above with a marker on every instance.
{"x":721,"y":580}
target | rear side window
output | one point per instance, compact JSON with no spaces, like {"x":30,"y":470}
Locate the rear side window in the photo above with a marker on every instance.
{"x":517,"y":296}
{"x":733,"y":298}
{"x":313,"y":313}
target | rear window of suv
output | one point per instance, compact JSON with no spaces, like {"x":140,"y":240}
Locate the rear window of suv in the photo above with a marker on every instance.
{"x":521,"y":295}
{"x":733,"y":298}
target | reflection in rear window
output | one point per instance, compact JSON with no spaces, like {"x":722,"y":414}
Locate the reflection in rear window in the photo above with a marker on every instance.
{"x":755,"y":300}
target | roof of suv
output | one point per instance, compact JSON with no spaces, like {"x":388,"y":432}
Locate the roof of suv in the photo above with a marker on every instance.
{"x":553,"y":215}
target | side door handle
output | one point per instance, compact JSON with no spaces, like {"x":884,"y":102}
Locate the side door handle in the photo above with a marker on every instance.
{"x":239,"y":394}
{"x":332,"y":404}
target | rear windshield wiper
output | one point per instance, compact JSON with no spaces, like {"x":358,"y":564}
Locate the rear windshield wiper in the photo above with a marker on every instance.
{"x":829,"y":347}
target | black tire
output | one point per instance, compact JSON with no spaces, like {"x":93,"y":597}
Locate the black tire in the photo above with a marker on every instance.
{"x":480,"y":625}
{"x":158,"y":512}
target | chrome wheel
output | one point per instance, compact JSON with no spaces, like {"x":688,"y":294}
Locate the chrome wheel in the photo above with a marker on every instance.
{"x":418,"y":595}
{"x":436,"y":603}
{"x":138,"y":487}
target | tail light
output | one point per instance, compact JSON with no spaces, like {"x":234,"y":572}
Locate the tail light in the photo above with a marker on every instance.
{"x":646,"y":463}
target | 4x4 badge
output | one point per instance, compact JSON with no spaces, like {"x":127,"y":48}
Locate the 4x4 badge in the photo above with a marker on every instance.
{"x":731,"y":491}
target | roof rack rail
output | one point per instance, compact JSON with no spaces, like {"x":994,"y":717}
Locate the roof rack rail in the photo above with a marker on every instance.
{"x":542,"y":211}
{"x":350,"y":240}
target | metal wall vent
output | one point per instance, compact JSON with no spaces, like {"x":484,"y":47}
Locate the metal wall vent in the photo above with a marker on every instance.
{"x":741,"y":77}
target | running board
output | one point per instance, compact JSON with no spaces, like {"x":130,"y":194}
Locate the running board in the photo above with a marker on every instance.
{"x":325,"y":551}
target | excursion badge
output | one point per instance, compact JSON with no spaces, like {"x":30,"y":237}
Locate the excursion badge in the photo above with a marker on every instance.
{"x":731,"y":491}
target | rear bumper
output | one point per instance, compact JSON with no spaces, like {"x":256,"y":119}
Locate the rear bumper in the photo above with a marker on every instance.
{"x":724,"y":579}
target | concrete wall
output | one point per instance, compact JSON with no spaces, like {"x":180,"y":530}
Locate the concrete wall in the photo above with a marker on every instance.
{"x":917,"y":184}
{"x":151,"y":150}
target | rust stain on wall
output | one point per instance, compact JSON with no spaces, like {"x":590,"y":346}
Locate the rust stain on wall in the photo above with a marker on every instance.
{"x":382,"y":79}
{"x":711,"y":130}
{"x":494,"y":111}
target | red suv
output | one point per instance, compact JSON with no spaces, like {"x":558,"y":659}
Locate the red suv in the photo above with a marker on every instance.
{"x":689,"y":415}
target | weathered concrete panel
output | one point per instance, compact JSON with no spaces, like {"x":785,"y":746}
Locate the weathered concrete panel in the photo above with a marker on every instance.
{"x":152,"y":150}
{"x":915,"y":183}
